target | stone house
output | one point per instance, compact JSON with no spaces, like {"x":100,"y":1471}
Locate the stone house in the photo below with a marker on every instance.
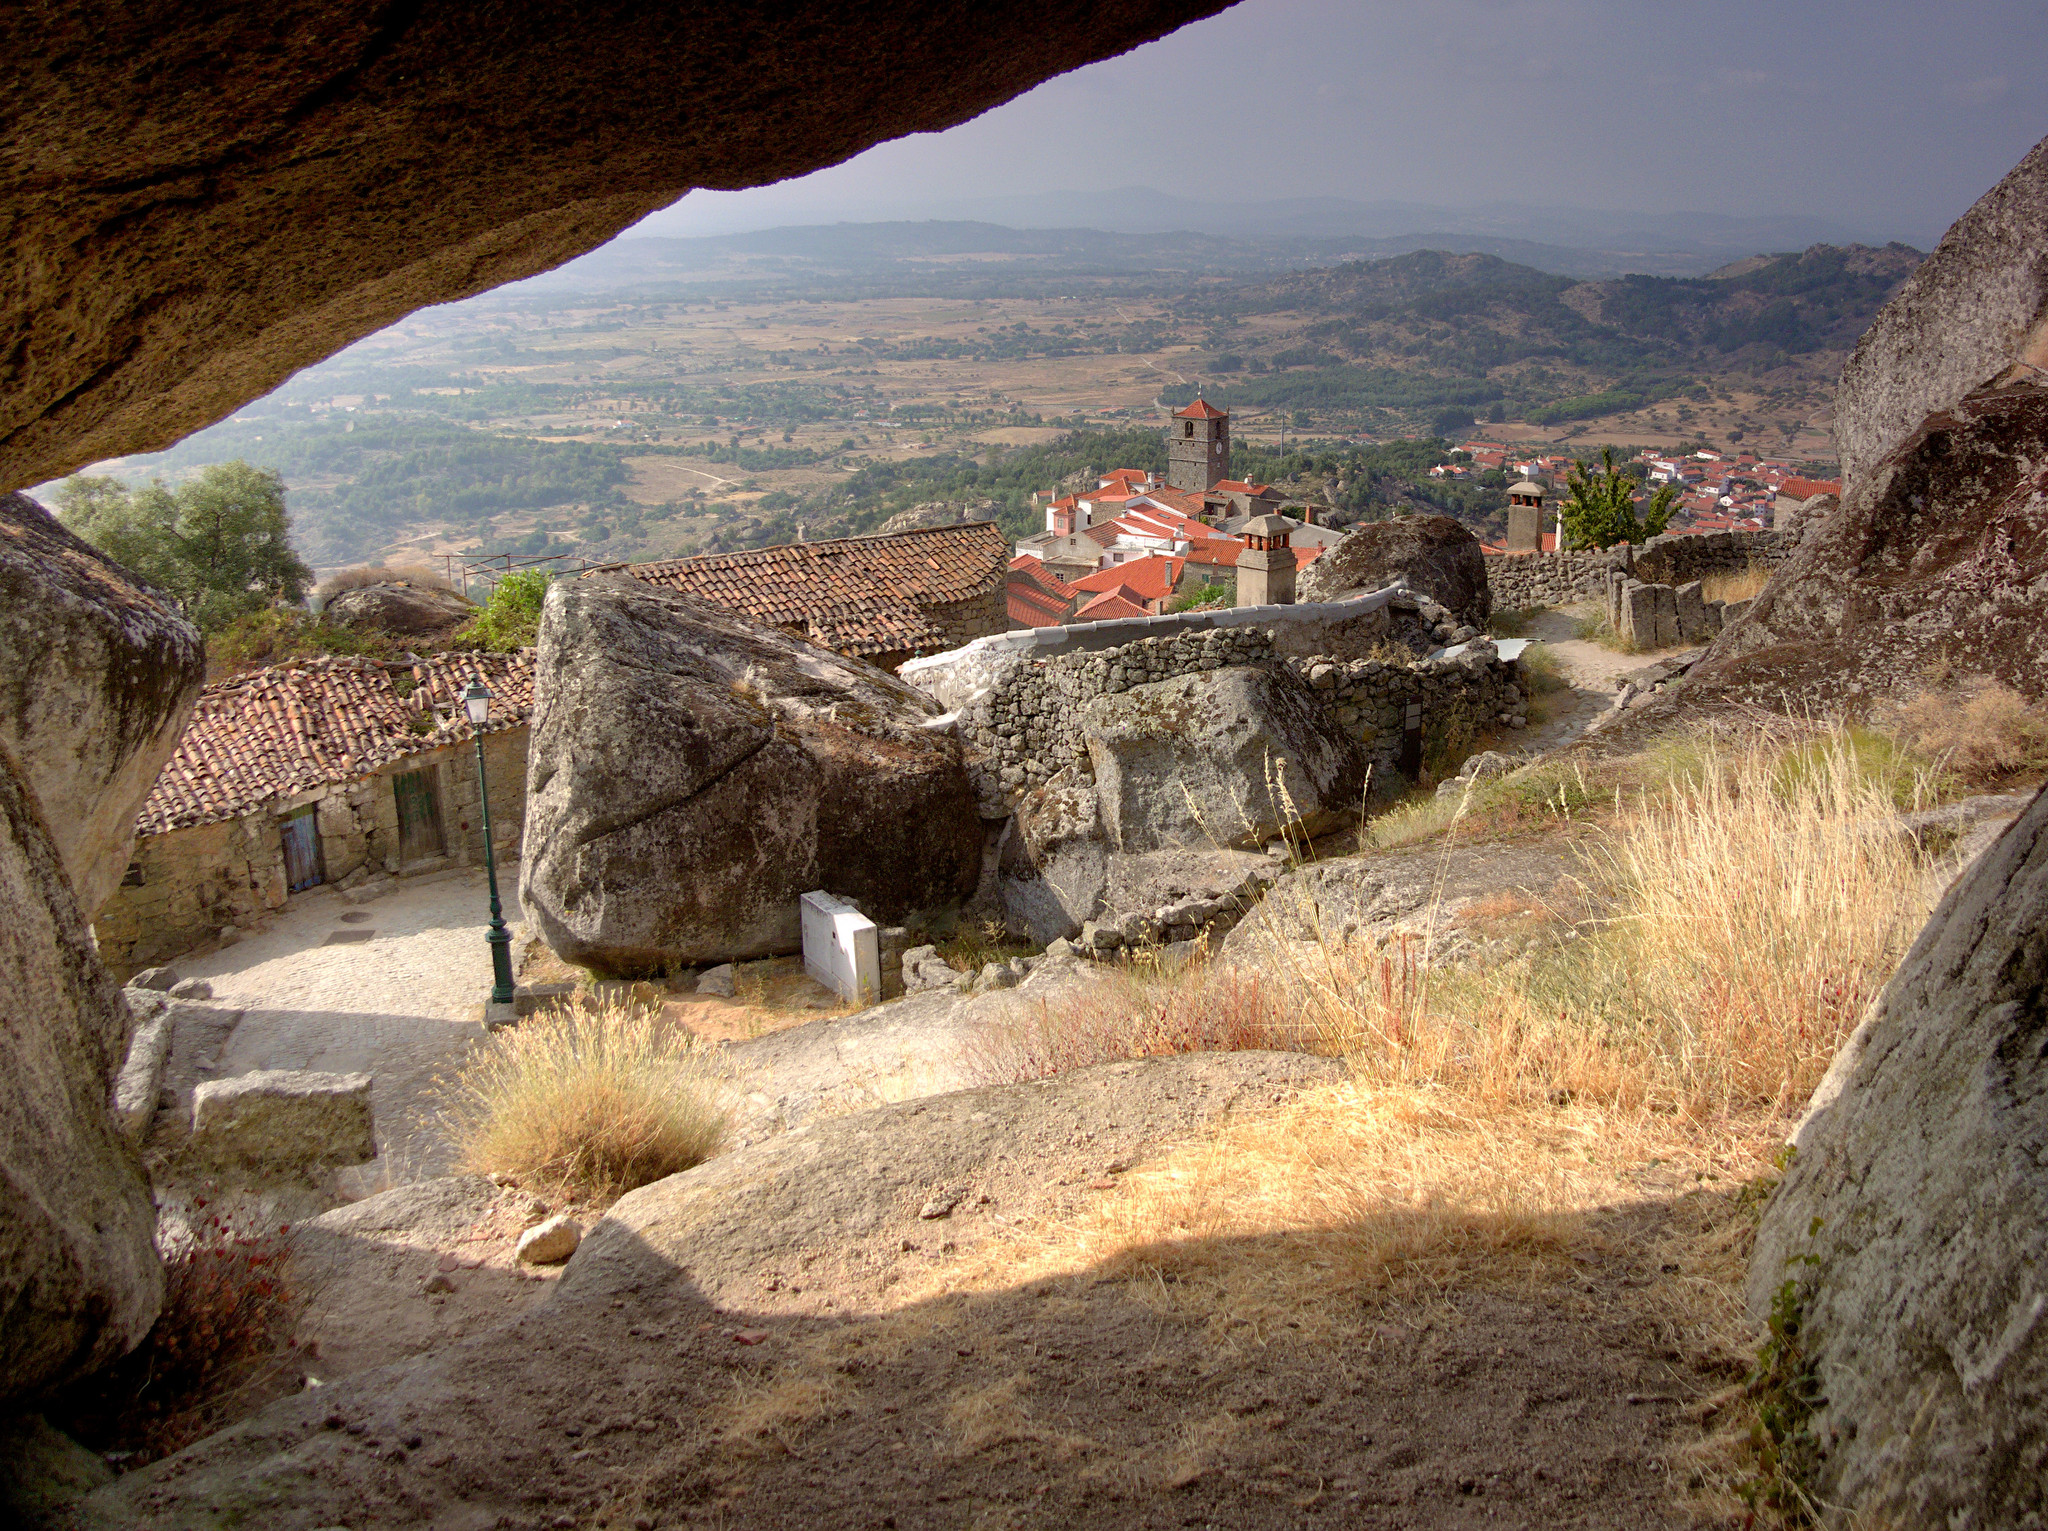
{"x":882,"y":599}
{"x":325,"y":771}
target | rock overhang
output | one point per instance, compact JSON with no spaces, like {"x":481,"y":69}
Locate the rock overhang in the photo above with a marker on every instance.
{"x":366,"y":160}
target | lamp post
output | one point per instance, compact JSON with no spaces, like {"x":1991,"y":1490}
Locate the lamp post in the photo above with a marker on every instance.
{"x":478,"y":700}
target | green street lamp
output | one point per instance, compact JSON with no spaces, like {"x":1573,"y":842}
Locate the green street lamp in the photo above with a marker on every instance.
{"x":478,"y":700}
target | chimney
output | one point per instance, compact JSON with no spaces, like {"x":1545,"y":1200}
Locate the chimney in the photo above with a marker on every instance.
{"x":1308,"y":515}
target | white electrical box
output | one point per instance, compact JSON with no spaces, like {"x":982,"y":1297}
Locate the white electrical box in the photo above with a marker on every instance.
{"x":842,"y":948}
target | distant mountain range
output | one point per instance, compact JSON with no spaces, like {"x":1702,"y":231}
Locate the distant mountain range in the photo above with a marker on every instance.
{"x":1139,"y":225}
{"x":1435,"y":328}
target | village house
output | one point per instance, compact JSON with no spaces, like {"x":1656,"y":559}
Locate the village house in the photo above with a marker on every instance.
{"x":883,"y":599}
{"x":1034,"y":597}
{"x":316,"y":772}
{"x":1194,"y":519}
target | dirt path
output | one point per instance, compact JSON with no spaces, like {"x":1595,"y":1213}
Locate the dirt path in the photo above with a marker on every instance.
{"x":1594,"y":672}
{"x":393,"y":987}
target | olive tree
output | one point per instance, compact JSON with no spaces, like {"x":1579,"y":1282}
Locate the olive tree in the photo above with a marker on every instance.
{"x":218,"y":544}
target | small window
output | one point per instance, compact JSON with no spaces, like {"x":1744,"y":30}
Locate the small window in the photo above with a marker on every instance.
{"x":1188,"y":428}
{"x":133,"y":877}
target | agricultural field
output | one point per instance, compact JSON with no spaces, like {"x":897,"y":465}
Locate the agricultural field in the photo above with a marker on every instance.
{"x":671,"y":399}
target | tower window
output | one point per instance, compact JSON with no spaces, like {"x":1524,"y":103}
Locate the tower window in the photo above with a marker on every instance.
{"x":1187,"y":428}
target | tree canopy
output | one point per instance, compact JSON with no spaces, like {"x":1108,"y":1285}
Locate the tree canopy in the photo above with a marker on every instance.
{"x":1600,"y":506}
{"x":219,"y":544}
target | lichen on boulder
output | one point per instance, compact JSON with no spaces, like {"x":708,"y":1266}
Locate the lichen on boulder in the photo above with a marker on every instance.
{"x":693,"y":774}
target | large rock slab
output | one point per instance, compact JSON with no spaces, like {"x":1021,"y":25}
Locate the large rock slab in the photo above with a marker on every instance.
{"x":283,"y":1122}
{"x":692,"y":774}
{"x":1912,"y":1224}
{"x":186,"y":259}
{"x":1224,"y":758}
{"x":79,"y":1279}
{"x":1436,"y":555}
{"x":98,"y":674}
{"x":401,"y":608}
{"x":1053,"y":861}
{"x":1975,"y":313}
{"x":642,"y":1324}
{"x":1935,"y":561}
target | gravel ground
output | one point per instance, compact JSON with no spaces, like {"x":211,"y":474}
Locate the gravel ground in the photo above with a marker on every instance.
{"x":394,"y":987}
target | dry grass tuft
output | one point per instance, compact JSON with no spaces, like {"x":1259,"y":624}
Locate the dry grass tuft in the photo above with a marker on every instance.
{"x":1747,"y":916}
{"x":1137,"y":1010}
{"x":1543,"y":680}
{"x":1984,"y":733}
{"x":591,"y":1102}
{"x":1745,"y":585}
{"x":365,"y":575}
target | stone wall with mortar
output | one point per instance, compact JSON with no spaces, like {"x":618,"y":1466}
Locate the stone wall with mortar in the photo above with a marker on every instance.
{"x":186,"y":887}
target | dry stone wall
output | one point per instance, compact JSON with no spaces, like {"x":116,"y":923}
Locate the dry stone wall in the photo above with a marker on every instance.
{"x":1028,"y":726}
{"x":1523,"y":580}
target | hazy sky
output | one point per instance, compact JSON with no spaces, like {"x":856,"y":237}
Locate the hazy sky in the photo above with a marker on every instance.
{"x":1891,"y":117}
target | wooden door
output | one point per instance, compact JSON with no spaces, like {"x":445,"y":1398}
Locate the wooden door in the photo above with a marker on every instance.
{"x":419,"y":817}
{"x":302,"y":867}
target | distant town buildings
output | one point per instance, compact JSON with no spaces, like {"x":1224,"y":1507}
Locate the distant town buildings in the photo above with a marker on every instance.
{"x":1133,"y":543}
{"x":1718,"y":491}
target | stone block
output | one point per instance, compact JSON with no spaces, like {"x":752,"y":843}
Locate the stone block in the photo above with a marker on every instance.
{"x":1691,"y":612}
{"x":1664,"y":603}
{"x":1638,"y":625}
{"x":1734,"y":611}
{"x":284,"y":1121}
{"x":142,"y":1076}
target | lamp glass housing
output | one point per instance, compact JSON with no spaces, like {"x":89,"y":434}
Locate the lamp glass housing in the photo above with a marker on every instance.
{"x":478,"y":700}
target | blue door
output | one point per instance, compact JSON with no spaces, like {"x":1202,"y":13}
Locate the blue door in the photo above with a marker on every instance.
{"x":302,"y":851}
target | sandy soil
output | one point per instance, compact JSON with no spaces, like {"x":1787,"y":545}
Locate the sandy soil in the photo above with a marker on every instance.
{"x":1594,"y":672}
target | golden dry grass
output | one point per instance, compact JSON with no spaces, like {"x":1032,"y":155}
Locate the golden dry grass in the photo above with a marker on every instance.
{"x":1744,"y":585}
{"x":1499,"y":1122}
{"x":589,"y":1101}
{"x":1984,"y":733}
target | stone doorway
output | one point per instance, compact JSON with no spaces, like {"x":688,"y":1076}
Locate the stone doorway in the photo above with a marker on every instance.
{"x":419,"y":817}
{"x":303,"y":866}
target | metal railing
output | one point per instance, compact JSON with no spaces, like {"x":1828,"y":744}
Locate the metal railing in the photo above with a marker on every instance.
{"x":489,"y":568}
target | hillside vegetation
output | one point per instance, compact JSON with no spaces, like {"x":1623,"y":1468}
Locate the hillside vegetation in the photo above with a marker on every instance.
{"x":1433,"y":329}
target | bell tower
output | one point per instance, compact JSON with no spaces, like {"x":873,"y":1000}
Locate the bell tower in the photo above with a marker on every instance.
{"x":1198,"y":448}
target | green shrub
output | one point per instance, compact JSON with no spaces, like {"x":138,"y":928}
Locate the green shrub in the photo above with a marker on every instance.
{"x":511,"y":617}
{"x":279,"y":633}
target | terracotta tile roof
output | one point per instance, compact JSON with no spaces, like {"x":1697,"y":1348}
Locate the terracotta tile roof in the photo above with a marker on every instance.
{"x":1033,"y":605}
{"x":1149,"y":579}
{"x":1214,"y":553}
{"x":858,"y":595}
{"x":1201,"y":409}
{"x":320,"y":722}
{"x":1032,"y":570}
{"x":1108,"y":607}
{"x":1806,"y":488}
